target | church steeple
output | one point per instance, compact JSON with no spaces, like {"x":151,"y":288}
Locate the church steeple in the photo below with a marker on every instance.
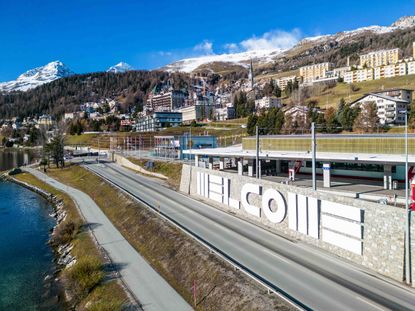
{"x":251,"y":74}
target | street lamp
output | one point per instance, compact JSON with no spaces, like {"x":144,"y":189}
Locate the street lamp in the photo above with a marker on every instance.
{"x":407,"y":211}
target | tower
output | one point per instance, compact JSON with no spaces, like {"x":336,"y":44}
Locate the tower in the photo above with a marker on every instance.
{"x":251,"y":75}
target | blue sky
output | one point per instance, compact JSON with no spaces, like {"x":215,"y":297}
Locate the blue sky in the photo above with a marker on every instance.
{"x":91,"y":35}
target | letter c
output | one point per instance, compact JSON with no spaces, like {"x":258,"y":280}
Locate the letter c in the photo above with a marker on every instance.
{"x":245,"y":191}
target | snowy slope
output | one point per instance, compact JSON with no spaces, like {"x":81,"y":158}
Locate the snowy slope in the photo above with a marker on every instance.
{"x":36,"y":77}
{"x":190,"y":64}
{"x":264,"y":56}
{"x":401,"y":23}
{"x":120,"y":67}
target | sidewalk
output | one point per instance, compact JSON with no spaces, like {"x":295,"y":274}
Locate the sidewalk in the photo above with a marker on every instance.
{"x":152,"y":291}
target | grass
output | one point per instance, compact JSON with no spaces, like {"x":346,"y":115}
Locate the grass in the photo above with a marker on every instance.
{"x":331,"y":97}
{"x":88,"y":287}
{"x":176,"y":257}
{"x":172,"y":170}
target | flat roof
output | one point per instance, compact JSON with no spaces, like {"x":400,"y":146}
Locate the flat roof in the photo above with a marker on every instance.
{"x":237,"y":152}
{"x":318,"y":136}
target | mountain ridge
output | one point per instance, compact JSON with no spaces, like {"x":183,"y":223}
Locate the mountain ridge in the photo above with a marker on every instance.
{"x":37,"y":76}
{"x":120,"y":68}
{"x":267,"y":56}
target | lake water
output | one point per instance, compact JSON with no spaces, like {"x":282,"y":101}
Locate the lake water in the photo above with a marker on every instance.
{"x":25,"y":256}
{"x":10,"y":158}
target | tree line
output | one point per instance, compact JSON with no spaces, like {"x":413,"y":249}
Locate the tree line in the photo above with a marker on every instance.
{"x":298,"y":119}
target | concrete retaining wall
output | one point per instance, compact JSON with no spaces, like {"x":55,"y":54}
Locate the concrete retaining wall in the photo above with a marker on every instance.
{"x":382,"y":226}
{"x":128,"y":164}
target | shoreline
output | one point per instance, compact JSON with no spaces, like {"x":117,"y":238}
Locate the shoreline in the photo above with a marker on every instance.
{"x":52,"y":281}
{"x":74,"y":251}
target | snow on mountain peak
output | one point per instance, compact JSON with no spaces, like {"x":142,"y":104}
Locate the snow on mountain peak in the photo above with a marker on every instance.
{"x":404,"y":22}
{"x":242,"y":58}
{"x":37,"y":76}
{"x":120,"y":67}
{"x":401,"y":23}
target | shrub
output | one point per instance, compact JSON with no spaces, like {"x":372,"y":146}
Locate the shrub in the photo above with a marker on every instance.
{"x":85,"y":275}
{"x":65,"y":232}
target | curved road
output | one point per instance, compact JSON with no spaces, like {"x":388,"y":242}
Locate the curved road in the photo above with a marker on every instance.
{"x":312,"y":278}
{"x":152,"y":291}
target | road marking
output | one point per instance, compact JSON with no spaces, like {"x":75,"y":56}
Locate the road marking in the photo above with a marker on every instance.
{"x":370,"y":303}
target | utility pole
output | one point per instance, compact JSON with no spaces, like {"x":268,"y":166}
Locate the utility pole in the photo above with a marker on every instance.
{"x":407,"y":211}
{"x":99,"y":149}
{"x":257,"y":151}
{"x":190,"y":146}
{"x":313,"y":154}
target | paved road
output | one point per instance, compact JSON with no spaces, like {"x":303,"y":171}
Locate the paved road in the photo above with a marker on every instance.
{"x":316,"y":279}
{"x":153,"y":292}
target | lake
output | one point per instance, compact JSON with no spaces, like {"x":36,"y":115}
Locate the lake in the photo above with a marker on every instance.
{"x":25,"y":256}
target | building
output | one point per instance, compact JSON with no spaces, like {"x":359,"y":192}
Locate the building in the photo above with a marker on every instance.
{"x":267,"y":102}
{"x":315,"y":71}
{"x":45,"y":121}
{"x":165,"y":102}
{"x":283,"y":81}
{"x":73,"y":115}
{"x":358,"y":75}
{"x":157,"y":121}
{"x":404,"y":94}
{"x":410,"y":67}
{"x":390,"y":110}
{"x":225,"y":113}
{"x":196,"y":112}
{"x":173,"y":146}
{"x":341,"y":71}
{"x":380,"y":58}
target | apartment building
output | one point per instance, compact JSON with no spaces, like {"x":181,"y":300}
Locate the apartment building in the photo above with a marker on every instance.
{"x":267,"y":102}
{"x":341,"y":71}
{"x":391,"y":104}
{"x":196,"y":112}
{"x":165,"y":102}
{"x":314,"y":72}
{"x":380,"y":58}
{"x":359,"y":75}
{"x":225,"y":113}
{"x":283,"y":81}
{"x":157,"y":121}
{"x":410,"y":67}
{"x":389,"y":71}
{"x":404,"y":94}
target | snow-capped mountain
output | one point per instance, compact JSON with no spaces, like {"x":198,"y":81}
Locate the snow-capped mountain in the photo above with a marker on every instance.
{"x":266,"y":56}
{"x":243,"y":58}
{"x":401,"y":23}
{"x":36,"y":77}
{"x":120,"y":67}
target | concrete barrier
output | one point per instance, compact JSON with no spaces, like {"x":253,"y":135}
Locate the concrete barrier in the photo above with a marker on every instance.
{"x":366,"y":233}
{"x":128,"y":164}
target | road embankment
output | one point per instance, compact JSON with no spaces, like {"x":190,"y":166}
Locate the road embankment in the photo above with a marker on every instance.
{"x":205,"y":281}
{"x":85,"y":273}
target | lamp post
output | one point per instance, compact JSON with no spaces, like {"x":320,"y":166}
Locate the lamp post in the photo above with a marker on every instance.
{"x":407,"y":211}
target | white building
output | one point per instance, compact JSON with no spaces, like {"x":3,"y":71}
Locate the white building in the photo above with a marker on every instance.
{"x":283,"y":81}
{"x":196,"y":112}
{"x":267,"y":102}
{"x":390,"y":110}
{"x":411,"y":68}
{"x":225,"y":113}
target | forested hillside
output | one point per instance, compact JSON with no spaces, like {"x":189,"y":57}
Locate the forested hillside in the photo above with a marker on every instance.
{"x":64,"y":95}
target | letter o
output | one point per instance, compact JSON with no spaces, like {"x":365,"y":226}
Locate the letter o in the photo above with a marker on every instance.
{"x":279,"y":215}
